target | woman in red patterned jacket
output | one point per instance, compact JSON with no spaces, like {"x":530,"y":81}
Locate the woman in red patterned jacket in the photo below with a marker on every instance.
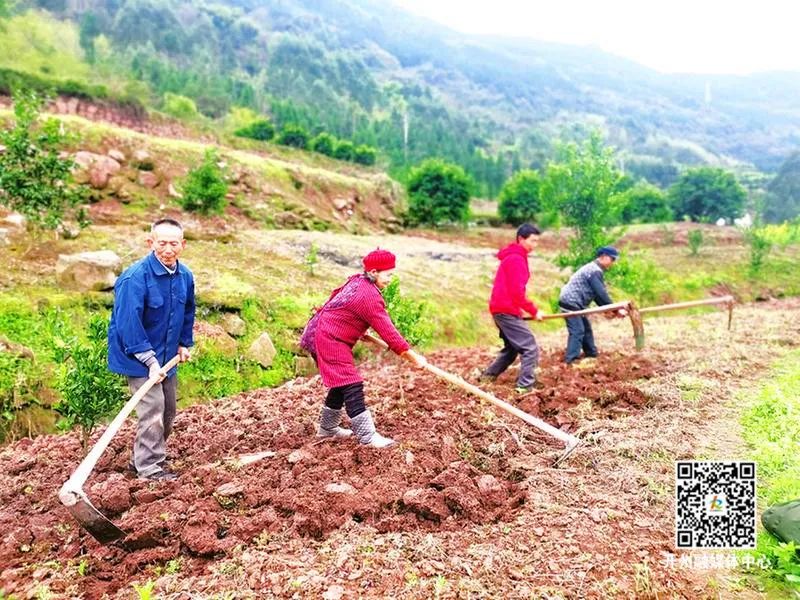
{"x":330,"y":336}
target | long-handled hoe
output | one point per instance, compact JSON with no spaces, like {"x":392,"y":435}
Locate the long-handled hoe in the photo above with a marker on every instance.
{"x":72,"y":495}
{"x":570,"y":441}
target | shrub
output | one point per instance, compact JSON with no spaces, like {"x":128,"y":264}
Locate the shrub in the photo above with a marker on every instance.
{"x":294,"y":135}
{"x":205,"y":186}
{"x":34,"y":178}
{"x":89,"y":391}
{"x":324,"y":143}
{"x":695,"y":240}
{"x":409,"y":316}
{"x":581,"y":186}
{"x":344,"y":150}
{"x":439,"y":192}
{"x":262,"y":130}
{"x":706,"y":194}
{"x":519,"y":198}
{"x":180,"y":107}
{"x":760,"y":245}
{"x":645,"y":203}
{"x":365,"y":155}
{"x":640,"y":277}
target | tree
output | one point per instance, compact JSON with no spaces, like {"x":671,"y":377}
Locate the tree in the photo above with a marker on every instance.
{"x":262,"y":130}
{"x":519,"y":198}
{"x":782,"y":202}
{"x":205,"y":186}
{"x":34,"y":177}
{"x":89,"y":391}
{"x":89,"y":29}
{"x":294,"y":135}
{"x":324,"y":143}
{"x":439,"y":192}
{"x":707,"y":193}
{"x":179,"y":106}
{"x":365,"y":155}
{"x":645,"y":203}
{"x":581,"y":188}
{"x":344,"y":150}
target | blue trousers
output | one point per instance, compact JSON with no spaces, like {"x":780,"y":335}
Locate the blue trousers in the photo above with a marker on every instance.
{"x":580,"y":337}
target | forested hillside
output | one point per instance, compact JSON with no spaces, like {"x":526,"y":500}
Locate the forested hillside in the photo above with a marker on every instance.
{"x":369,"y":72}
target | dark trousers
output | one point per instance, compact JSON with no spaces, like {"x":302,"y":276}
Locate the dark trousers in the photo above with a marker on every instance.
{"x":350,"y":396}
{"x":517,"y":341}
{"x":580,"y":337}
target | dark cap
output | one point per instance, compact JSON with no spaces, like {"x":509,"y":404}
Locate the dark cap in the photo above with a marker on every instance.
{"x":526,"y":230}
{"x":608,"y":251}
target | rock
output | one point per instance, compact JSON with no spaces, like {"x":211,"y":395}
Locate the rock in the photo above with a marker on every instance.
{"x":95,"y":169}
{"x":88,"y":270}
{"x":341,"y":203}
{"x":287,"y":219}
{"x":297,"y":455}
{"x":426,"y":502}
{"x":304,"y":366}
{"x":230,"y":489}
{"x":172,"y":192}
{"x":340,"y":488}
{"x":234,"y":324}
{"x":117,"y":155}
{"x":335,"y":592}
{"x":148,"y":179}
{"x":2,"y":149}
{"x":262,"y":351}
{"x":142,"y":160}
{"x":15,"y":219}
{"x":216,"y":336}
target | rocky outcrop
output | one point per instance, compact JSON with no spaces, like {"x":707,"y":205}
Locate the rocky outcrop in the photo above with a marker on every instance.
{"x":87,"y":271}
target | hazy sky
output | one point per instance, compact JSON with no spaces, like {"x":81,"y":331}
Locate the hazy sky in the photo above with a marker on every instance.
{"x":699,"y":36}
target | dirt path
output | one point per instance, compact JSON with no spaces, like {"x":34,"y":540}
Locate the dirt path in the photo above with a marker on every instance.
{"x":465,"y":506}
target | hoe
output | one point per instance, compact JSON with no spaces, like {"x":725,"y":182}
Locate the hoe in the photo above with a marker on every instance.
{"x":72,"y":495}
{"x":570,"y":441}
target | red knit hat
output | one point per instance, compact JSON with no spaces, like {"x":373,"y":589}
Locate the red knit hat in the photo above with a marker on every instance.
{"x":379,"y":260}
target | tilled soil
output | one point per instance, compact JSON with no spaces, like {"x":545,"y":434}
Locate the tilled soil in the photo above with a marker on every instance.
{"x":454,"y":466}
{"x":466,"y":505}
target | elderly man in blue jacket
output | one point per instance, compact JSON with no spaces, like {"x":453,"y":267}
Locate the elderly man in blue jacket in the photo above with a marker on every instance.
{"x":584,"y":287}
{"x":151,"y":322}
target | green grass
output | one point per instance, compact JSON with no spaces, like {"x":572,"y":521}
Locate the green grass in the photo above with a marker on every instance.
{"x":771,"y":427}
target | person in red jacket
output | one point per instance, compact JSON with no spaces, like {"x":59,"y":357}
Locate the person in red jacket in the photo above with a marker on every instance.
{"x":330,"y":336}
{"x":507,"y":303}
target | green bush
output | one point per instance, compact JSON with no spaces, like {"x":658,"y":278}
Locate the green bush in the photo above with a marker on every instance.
{"x":645,"y":203}
{"x":760,"y":245}
{"x":438,"y":192}
{"x":695,"y":240}
{"x":89,"y":391}
{"x":706,"y":194}
{"x":262,"y":130}
{"x":345,"y":150}
{"x":365,"y":155}
{"x":410,"y":317}
{"x":179,"y":107}
{"x":519,"y":200}
{"x":640,"y":278}
{"x":205,"y":187}
{"x":324,"y":143}
{"x":34,"y":178}
{"x":581,"y":186}
{"x":293,"y":135}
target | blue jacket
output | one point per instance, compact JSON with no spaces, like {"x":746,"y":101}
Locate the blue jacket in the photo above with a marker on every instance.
{"x":153,"y":310}
{"x":585,"y":285}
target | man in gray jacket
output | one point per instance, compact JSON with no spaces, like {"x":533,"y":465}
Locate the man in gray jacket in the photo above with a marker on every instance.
{"x":584,"y":287}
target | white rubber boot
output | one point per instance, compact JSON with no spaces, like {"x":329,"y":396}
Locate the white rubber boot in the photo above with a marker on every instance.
{"x":364,"y":428}
{"x":329,"y":421}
